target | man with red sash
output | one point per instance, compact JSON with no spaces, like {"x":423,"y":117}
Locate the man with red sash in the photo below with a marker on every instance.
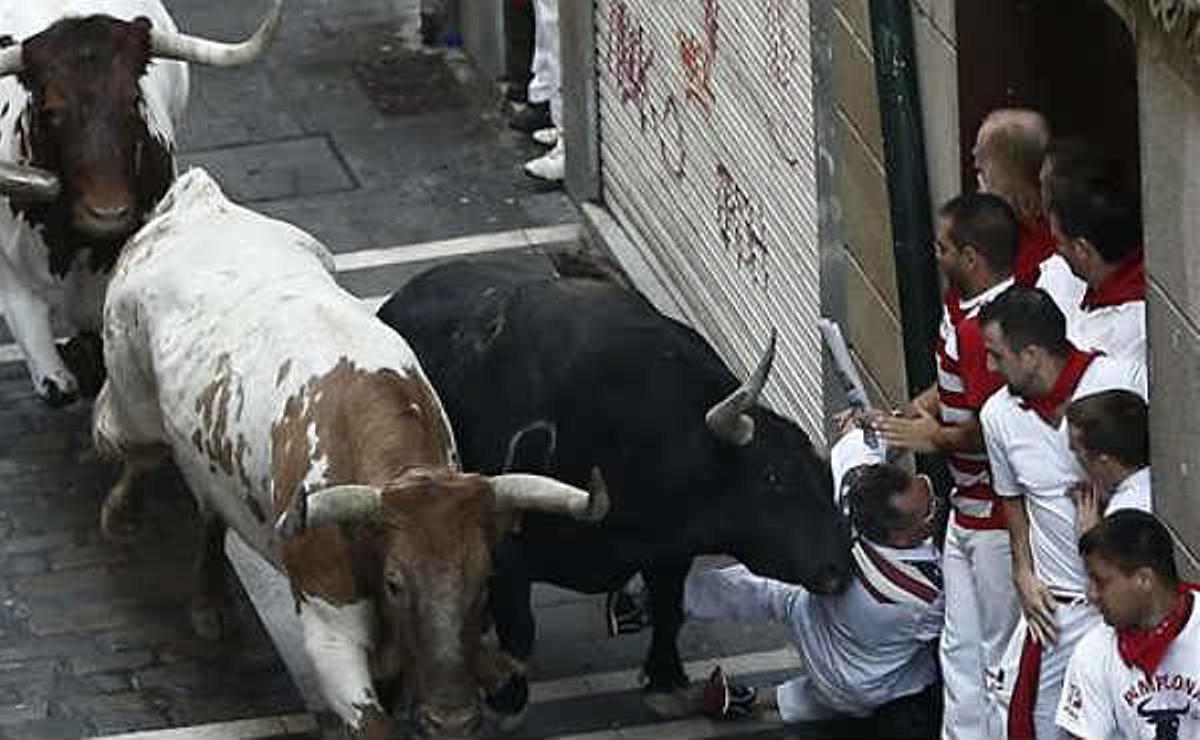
{"x":1008,"y":152}
{"x":866,"y":652}
{"x":977,"y":237}
{"x":1099,"y":232}
{"x":1138,"y":674}
{"x":1033,"y":472}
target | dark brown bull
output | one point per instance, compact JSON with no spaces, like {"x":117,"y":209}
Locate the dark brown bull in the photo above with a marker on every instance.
{"x":89,"y":104}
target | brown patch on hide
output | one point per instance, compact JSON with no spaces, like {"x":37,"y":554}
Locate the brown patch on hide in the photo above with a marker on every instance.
{"x":198,"y":440}
{"x":239,"y":458}
{"x":368,"y":427}
{"x":212,"y":404}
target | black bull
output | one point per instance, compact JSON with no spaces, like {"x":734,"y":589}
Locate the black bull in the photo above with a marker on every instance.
{"x":595,"y":376}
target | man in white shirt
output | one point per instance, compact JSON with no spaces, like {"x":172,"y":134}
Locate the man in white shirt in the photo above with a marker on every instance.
{"x":868,"y":648}
{"x":1110,"y":437}
{"x":1033,"y":470}
{"x":976,"y":247}
{"x":1138,"y":674}
{"x":1097,"y":225}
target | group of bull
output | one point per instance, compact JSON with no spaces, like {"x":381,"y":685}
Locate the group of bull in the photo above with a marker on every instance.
{"x":607,"y":439}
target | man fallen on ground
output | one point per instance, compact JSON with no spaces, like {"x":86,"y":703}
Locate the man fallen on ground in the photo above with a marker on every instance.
{"x":868,"y":651}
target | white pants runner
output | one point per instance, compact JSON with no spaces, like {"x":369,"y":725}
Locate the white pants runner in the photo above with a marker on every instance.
{"x":546,"y":68}
{"x":982,"y":611}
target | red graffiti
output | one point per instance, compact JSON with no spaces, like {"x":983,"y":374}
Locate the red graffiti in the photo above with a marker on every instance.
{"x":740,"y":224}
{"x":629,"y":60}
{"x":698,"y":58}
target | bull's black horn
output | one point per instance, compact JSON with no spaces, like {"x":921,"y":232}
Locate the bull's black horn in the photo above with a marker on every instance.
{"x":728,"y":419}
{"x":169,"y":45}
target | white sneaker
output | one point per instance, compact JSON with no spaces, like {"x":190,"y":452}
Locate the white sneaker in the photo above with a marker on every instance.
{"x":546,"y":136}
{"x":551,"y":167}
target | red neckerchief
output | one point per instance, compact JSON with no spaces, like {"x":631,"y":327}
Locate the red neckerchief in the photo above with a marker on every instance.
{"x":953,"y":306}
{"x":1127,"y":284}
{"x":1035,"y":246}
{"x":1064,"y":386}
{"x":1145,"y":648}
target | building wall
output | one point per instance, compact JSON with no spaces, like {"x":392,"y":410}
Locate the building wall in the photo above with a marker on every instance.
{"x":872,"y":321}
{"x":1169,"y":119}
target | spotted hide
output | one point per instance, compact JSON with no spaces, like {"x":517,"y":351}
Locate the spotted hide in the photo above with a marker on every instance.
{"x":91,"y":95}
{"x":308,"y":427}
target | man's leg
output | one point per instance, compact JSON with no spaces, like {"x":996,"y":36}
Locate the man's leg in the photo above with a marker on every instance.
{"x":960,"y":651}
{"x":1074,"y":621}
{"x":1000,"y":611}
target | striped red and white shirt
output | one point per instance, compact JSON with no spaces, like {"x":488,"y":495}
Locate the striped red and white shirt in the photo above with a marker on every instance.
{"x":963,"y":384}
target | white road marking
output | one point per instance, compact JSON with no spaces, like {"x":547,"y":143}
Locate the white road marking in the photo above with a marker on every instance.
{"x":574,"y":687}
{"x":366,"y":259}
{"x":242,"y":729}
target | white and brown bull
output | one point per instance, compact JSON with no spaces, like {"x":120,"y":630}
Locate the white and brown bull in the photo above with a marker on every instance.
{"x":307,"y":426}
{"x":91,"y":93}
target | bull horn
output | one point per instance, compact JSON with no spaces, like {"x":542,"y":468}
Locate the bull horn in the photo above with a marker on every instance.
{"x":28,"y":183}
{"x":728,"y":419}
{"x":173,"y":45}
{"x":11,"y":60}
{"x":523,"y":492}
{"x":339,"y":504}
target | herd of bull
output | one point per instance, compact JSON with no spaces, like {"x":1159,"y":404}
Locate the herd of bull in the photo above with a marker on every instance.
{"x":604,"y":439}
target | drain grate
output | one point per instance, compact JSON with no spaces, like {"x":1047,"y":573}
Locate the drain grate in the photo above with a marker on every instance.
{"x":404,"y":83}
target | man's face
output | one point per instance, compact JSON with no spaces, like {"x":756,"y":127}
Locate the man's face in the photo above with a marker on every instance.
{"x":948,"y":255}
{"x":918,"y":506}
{"x":1120,"y":597}
{"x":1070,"y":249}
{"x":1088,"y":460}
{"x":1044,"y":181}
{"x":1019,"y":369}
{"x":982,"y":157}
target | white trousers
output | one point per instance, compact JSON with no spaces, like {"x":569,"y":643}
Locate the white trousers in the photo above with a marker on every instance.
{"x":1073,"y":620}
{"x":736,"y":593}
{"x":982,"y":611}
{"x":546,"y":68}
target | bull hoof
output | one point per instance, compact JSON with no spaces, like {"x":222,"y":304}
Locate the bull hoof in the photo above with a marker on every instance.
{"x":84,"y":357}
{"x":673,"y":704}
{"x":507,"y":706}
{"x":208,"y":622}
{"x":58,"y":391}
{"x":120,"y":521}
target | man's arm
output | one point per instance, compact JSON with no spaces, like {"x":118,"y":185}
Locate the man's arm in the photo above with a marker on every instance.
{"x":926,"y":433}
{"x":1036,"y":600}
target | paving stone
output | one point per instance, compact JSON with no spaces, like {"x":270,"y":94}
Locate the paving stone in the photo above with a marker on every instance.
{"x":111,"y":713}
{"x":283,"y":169}
{"x":22,"y":565}
{"x":126,"y":660}
{"x":87,"y":556}
{"x":58,"y":728}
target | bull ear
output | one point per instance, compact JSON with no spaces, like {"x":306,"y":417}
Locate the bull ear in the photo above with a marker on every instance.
{"x":728,"y":419}
{"x":520,"y":492}
{"x":340,"y":504}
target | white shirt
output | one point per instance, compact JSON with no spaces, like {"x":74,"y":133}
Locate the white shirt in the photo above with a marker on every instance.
{"x":1120,"y":331}
{"x":1064,"y":287}
{"x":1030,"y":458}
{"x":1132,"y":493}
{"x":1105,"y":698}
{"x":862,"y":652}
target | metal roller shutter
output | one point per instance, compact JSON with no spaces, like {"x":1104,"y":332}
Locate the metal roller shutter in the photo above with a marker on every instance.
{"x":706,"y":152}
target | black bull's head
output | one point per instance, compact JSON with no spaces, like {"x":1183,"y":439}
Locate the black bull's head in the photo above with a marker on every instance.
{"x":92,"y":167}
{"x":1164,"y":721}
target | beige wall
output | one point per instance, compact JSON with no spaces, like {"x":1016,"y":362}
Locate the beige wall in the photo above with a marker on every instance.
{"x":872,"y":303}
{"x":1169,"y":120}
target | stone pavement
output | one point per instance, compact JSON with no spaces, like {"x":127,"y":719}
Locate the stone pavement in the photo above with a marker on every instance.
{"x":341,"y":132}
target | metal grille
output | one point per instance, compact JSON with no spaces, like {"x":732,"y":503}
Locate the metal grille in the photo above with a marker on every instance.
{"x":706,"y":149}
